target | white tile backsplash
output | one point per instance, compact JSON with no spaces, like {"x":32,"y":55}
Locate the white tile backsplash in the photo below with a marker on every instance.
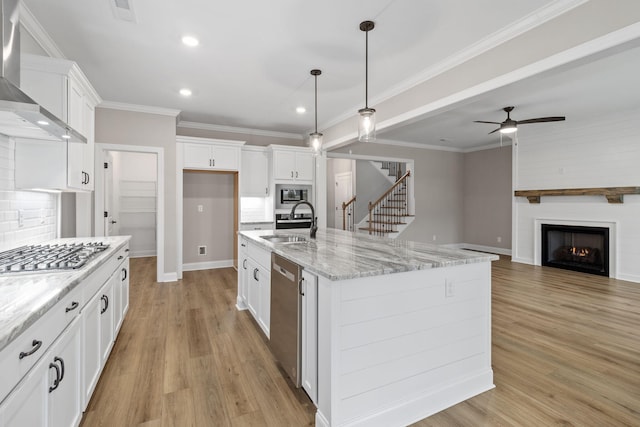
{"x":26,"y":217}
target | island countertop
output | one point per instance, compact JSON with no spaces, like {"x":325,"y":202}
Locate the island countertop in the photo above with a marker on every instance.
{"x":341,"y":255}
{"x":25,"y":297}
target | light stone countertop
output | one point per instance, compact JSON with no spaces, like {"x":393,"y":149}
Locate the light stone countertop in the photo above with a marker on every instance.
{"x":25,"y":297}
{"x":341,"y":255}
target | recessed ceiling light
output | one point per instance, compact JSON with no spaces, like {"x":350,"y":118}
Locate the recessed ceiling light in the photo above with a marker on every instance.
{"x":43,"y":122}
{"x":190,"y":41}
{"x":185,"y":92}
{"x":301,"y":110}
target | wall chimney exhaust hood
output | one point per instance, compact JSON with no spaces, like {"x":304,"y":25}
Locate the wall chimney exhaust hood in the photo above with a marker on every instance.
{"x":21,"y":116}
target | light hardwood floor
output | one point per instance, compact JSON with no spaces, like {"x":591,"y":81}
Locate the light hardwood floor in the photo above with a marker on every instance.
{"x":566,"y":351}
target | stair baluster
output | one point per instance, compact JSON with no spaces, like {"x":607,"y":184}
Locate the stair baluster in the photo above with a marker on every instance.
{"x":348,"y":214}
{"x":385,"y":213}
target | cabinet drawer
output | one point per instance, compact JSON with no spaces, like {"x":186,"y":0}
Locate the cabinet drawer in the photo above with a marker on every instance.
{"x":261,"y":256}
{"x":98,"y":278}
{"x":22,"y":354}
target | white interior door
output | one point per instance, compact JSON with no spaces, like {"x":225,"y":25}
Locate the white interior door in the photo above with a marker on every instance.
{"x":343,"y":193}
{"x":110,"y":221}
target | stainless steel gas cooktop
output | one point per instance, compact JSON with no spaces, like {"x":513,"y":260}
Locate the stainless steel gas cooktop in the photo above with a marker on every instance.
{"x":36,"y":258}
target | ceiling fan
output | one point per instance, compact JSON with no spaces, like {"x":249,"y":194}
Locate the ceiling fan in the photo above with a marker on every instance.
{"x":510,"y":125}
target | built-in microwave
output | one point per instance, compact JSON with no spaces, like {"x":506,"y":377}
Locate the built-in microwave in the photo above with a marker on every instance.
{"x":293,"y":195}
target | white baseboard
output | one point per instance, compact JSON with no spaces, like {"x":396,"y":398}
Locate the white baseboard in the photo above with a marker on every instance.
{"x":408,"y":412}
{"x":168,"y":277}
{"x":629,"y":277}
{"x":194,"y":266}
{"x":522,"y":260}
{"x":481,"y":248}
{"x":241,"y":304}
{"x":142,"y":254}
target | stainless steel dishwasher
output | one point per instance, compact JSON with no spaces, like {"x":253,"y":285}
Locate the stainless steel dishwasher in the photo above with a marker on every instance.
{"x":285,"y":328}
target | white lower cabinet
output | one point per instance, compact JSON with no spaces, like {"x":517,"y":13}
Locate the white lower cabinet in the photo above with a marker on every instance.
{"x":50,"y":394}
{"x":309,"y":326}
{"x":254,"y":282}
{"x":58,"y":360}
{"x":92,"y":360}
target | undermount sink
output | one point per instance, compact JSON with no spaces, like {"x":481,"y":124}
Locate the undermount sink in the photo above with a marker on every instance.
{"x":284,"y":238}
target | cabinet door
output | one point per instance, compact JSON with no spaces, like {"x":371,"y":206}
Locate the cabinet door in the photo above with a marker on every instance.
{"x":284,"y":165}
{"x":88,"y":148}
{"x":124,"y":283}
{"x":107,"y":318}
{"x":117,"y":300}
{"x":253,"y":288}
{"x":304,"y":167}
{"x":91,"y":360}
{"x":225,"y":158}
{"x":264,"y":311}
{"x":75,"y":105}
{"x":65,"y":398}
{"x":27,"y":404}
{"x":197,"y":156}
{"x":254,"y":174}
{"x":309,"y":325}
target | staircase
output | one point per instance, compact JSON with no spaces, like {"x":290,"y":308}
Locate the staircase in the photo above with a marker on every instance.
{"x":391,"y":170}
{"x":389,"y":215}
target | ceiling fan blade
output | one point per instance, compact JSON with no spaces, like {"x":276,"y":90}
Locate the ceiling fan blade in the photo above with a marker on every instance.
{"x":542,"y":120}
{"x":493,"y":131}
{"x":481,"y":121}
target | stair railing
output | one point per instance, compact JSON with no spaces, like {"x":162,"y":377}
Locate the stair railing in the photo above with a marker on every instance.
{"x":387,"y":212}
{"x":348,"y":215}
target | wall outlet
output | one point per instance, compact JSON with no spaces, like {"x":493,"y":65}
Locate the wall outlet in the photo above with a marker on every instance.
{"x":20,"y":218}
{"x":200,"y":208}
{"x":499,"y":239}
{"x":202,"y":250}
{"x":449,"y":288}
{"x":435,"y":238}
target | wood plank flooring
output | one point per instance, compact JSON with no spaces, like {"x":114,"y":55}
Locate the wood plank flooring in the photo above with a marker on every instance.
{"x":566,"y":351}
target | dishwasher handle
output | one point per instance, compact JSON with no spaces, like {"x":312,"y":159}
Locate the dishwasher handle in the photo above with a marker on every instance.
{"x":289,"y":275}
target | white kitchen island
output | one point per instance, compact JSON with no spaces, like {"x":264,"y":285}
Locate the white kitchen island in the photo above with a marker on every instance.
{"x":403,"y":328}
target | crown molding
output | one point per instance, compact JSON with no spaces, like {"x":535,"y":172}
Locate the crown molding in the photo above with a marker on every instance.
{"x":139,"y":108}
{"x":418,"y":145}
{"x":232,"y":129}
{"x":29,"y":23}
{"x":519,"y":27}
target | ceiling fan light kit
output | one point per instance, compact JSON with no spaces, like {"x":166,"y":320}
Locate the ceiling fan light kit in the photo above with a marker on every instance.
{"x":367,"y":119}
{"x":315,"y":138}
{"x":511,"y":126}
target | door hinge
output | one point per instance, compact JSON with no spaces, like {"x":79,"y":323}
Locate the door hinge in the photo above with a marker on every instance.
{"x":106,"y":214}
{"x":106,"y":165}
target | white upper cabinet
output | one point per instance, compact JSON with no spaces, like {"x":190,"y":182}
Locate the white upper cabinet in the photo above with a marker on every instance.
{"x":60,"y":87}
{"x":210,"y":154}
{"x":254,"y":174}
{"x":292,"y":164}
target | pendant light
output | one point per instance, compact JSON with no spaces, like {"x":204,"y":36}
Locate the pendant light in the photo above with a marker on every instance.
{"x":367,"y":119}
{"x":315,"y":138}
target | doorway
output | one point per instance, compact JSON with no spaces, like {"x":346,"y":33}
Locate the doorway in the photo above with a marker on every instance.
{"x":132,"y":194}
{"x":343,"y":193}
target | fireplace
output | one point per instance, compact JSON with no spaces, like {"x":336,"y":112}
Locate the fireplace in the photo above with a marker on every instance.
{"x":584,"y":249}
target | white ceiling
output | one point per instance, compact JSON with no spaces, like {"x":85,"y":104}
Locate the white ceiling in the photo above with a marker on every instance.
{"x":251,"y":69}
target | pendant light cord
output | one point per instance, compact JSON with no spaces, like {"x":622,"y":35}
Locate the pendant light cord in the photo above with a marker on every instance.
{"x":366,"y":69}
{"x":316,"y":101}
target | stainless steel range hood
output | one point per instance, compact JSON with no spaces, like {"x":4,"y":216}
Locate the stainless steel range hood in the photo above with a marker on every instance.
{"x":21,"y":116}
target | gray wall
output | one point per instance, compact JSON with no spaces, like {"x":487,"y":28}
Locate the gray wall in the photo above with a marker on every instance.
{"x":370,"y":185}
{"x":214,"y":227}
{"x":439,"y":190}
{"x":149,"y":130}
{"x":67,"y":214}
{"x":488,"y":197}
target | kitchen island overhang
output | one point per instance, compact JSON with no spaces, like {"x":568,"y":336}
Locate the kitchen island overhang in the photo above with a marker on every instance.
{"x":404,"y":329}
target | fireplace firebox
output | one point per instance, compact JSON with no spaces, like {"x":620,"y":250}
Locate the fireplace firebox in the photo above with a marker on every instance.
{"x":584,"y":249}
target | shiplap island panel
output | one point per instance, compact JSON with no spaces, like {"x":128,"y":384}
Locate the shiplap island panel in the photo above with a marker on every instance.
{"x":404,"y":328}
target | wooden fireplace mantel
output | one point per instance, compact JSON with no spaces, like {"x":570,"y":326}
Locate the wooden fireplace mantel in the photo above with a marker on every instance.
{"x":613,"y":194}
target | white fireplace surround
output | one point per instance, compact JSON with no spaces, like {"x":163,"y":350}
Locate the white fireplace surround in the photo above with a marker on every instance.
{"x":613,"y":227}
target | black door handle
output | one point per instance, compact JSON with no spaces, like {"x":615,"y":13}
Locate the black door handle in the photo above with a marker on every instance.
{"x":72,"y":307}
{"x":255,"y":274}
{"x":36,"y":346}
{"x":106,"y":303}
{"x":59,"y":359}
{"x":56,"y":382}
{"x":124,"y":274}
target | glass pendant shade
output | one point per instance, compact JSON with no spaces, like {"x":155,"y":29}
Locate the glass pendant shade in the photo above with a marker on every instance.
{"x":367,"y":125}
{"x":315,"y":141}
